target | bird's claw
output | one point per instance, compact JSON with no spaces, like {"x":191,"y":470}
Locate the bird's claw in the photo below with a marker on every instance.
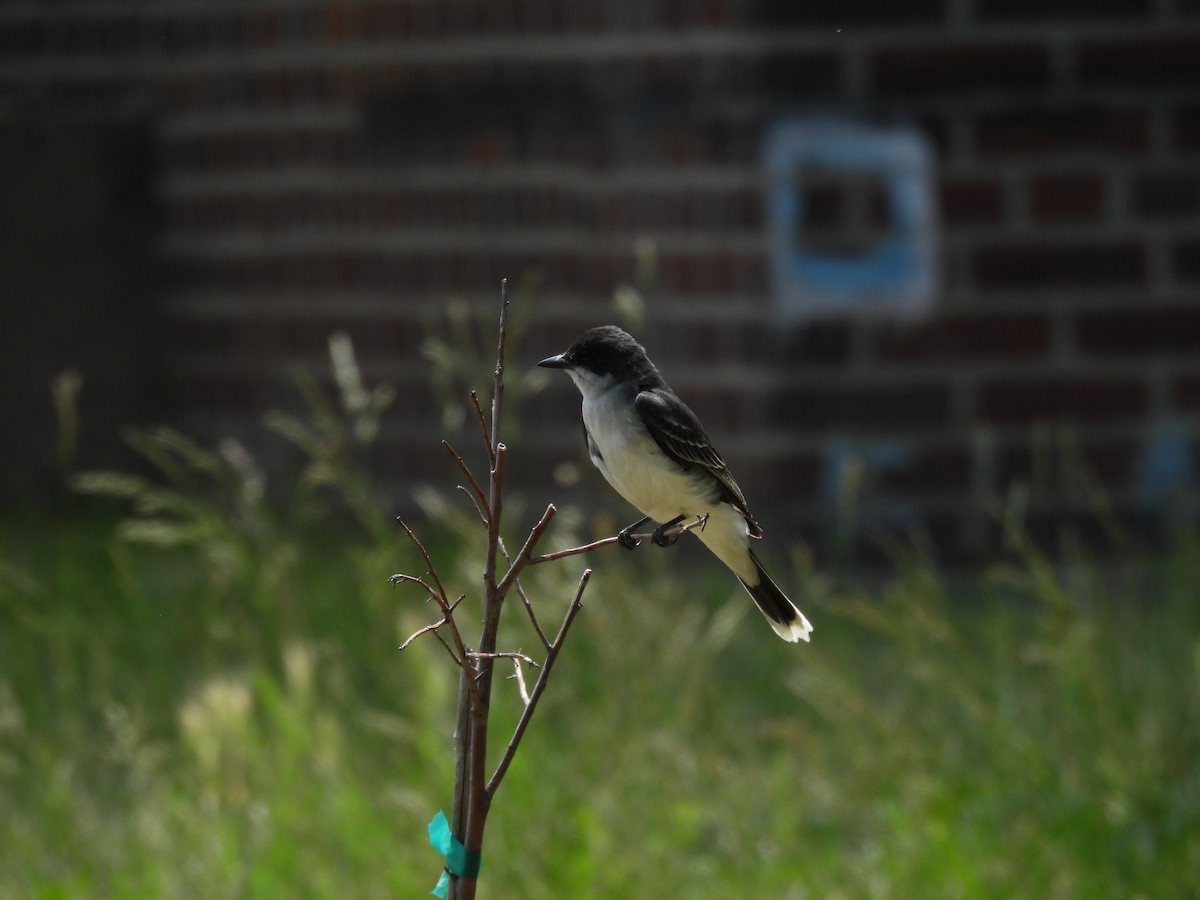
{"x":664,"y":535}
{"x":627,"y":539}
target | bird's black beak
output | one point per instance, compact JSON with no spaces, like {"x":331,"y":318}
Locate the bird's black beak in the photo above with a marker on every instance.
{"x":555,"y":362}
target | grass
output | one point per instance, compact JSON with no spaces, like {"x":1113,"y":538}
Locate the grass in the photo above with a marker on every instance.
{"x":175,"y":727}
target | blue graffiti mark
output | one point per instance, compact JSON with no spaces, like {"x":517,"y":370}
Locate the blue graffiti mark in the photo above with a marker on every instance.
{"x":898,"y":273}
{"x":1166,"y":465}
{"x":874,"y":456}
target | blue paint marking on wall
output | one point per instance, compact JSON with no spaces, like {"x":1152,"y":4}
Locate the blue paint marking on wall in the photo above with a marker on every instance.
{"x":1166,"y":466}
{"x":874,"y":456}
{"x":898,"y":274}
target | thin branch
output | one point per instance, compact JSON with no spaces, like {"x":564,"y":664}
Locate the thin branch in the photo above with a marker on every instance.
{"x":699,"y":522}
{"x":430,"y":569}
{"x":465,"y":469}
{"x":501,"y":341}
{"x":400,"y":578}
{"x":540,"y":687}
{"x":432,"y":626}
{"x":474,"y":502}
{"x":526,"y":550}
{"x":447,"y":609}
{"x":537,"y":626}
{"x":461,"y":663}
{"x":433,"y":629}
{"x":575,"y":551}
{"x":519,"y":675}
{"x":483,"y":427}
{"x":507,"y":654}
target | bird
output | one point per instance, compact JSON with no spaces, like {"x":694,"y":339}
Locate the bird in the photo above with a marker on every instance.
{"x":653,"y":450}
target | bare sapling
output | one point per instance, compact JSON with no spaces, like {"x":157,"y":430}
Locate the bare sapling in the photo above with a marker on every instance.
{"x":475,"y":785}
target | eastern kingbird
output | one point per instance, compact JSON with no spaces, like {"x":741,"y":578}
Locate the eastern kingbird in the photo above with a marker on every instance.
{"x":653,"y":450}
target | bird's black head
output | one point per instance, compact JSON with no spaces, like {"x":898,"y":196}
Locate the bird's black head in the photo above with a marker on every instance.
{"x":605,"y":350}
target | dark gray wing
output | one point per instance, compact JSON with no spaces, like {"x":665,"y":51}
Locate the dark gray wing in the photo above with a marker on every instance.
{"x":681,"y":437}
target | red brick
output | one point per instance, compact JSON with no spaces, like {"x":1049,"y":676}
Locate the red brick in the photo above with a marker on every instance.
{"x":928,"y":470}
{"x":1141,"y":331}
{"x":706,"y":273}
{"x":953,"y":69}
{"x":971,"y":201}
{"x":1141,"y":63}
{"x":1067,"y":197}
{"x":792,"y":76}
{"x":966,"y":337}
{"x":226,"y":393}
{"x":1036,"y":10}
{"x":1186,"y":259}
{"x":816,"y":344}
{"x":850,"y":13}
{"x":874,"y":407}
{"x":1167,"y":194}
{"x":1109,"y":461}
{"x":1039,"y":265}
{"x":21,"y":38}
{"x":1185,"y":393}
{"x":792,"y":475}
{"x":1068,"y":130}
{"x":710,"y":340}
{"x":1090,"y":399}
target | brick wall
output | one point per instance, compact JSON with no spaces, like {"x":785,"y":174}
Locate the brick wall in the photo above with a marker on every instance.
{"x":354,"y":164}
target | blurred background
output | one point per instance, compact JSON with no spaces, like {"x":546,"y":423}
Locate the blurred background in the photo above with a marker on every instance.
{"x":929,"y":271}
{"x":933,"y":245}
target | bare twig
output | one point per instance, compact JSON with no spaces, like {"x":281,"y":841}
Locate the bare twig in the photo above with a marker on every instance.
{"x":507,"y":654}
{"x":501,"y":341}
{"x":443,"y":601}
{"x":430,"y":569}
{"x":537,"y":626}
{"x":448,"y":612}
{"x":400,"y":578}
{"x":475,"y":503}
{"x":432,"y":626}
{"x":483,"y":427}
{"x":519,"y":675}
{"x":575,"y":551}
{"x":462,"y":665}
{"x":699,"y":522}
{"x":470,"y":476}
{"x":540,"y":687}
{"x":526,"y":550}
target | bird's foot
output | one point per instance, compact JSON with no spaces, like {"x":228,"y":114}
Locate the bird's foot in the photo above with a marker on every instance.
{"x":627,"y":539}
{"x":662,"y":538}
{"x":627,"y":536}
{"x":666,"y":534}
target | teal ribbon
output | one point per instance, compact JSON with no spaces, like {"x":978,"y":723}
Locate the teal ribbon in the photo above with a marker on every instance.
{"x":460,"y":861}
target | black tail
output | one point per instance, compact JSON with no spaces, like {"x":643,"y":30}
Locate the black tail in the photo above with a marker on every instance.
{"x":789,"y":623}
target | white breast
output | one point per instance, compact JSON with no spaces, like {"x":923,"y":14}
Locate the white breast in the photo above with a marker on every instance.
{"x":632,"y":462}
